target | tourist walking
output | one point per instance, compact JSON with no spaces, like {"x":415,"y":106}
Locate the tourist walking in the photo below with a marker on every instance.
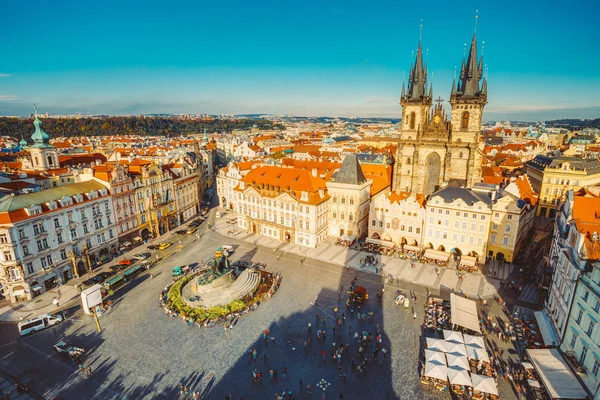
{"x":284,"y":372}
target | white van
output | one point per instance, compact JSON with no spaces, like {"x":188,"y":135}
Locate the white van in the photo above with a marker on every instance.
{"x":38,"y":323}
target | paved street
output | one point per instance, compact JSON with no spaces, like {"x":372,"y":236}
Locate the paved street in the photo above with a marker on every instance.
{"x":142,"y":353}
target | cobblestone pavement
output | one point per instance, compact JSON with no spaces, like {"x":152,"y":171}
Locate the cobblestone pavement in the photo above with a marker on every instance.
{"x":498,"y":269}
{"x":141,"y":353}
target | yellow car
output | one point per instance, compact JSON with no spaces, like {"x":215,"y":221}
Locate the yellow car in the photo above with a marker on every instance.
{"x":163,"y":246}
{"x":191,"y":231}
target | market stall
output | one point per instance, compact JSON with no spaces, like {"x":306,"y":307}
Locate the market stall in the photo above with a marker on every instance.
{"x":463,"y":313}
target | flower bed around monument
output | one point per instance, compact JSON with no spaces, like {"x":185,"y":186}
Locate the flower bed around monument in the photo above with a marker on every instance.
{"x":172,"y":301}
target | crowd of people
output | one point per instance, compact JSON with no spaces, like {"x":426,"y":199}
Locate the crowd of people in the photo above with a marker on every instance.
{"x":437,"y":314}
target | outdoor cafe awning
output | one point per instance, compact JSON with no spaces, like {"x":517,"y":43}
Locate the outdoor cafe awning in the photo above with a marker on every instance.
{"x":349,"y":238}
{"x":436,"y":255}
{"x":459,"y":376}
{"x":545,"y":328}
{"x":408,"y":247}
{"x":435,"y":370}
{"x":380,"y":242}
{"x":468,"y":261}
{"x":557,"y":377}
{"x":464,"y":312}
{"x":36,"y":287}
{"x":19,"y":292}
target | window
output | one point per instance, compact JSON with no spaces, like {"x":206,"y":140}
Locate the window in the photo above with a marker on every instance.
{"x":586,"y":294}
{"x":483,"y":217}
{"x":465,"y":120}
{"x":335,"y":216}
{"x":590,"y":328}
{"x":412,"y":120}
{"x":56,"y":223}
{"x":8,"y":255}
{"x":73,"y":234}
{"x":3,"y":238}
{"x":418,"y":230}
{"x":579,"y":316}
{"x":351,"y":200}
{"x":21,"y":234}
{"x":509,"y":216}
{"x":381,"y":224}
{"x":63,"y":254}
{"x":583,"y":355}
{"x":493,"y":239}
{"x":29,"y":266}
{"x":505,"y":241}
{"x":595,"y":368}
{"x":402,"y":228}
{"x":351,"y":217}
{"x":597,"y":306}
{"x":507,"y":228}
{"x":456,"y":224}
{"x":26,"y":250}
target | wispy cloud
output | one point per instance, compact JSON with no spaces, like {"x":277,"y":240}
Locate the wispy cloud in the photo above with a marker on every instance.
{"x":5,"y":75}
{"x":7,"y":97}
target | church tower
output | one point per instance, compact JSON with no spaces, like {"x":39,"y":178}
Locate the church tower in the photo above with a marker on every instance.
{"x":468,"y":98}
{"x":415,"y":102}
{"x":44,"y":156}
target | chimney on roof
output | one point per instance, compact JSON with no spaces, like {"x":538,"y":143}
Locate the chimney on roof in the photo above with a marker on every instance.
{"x":315,"y":172}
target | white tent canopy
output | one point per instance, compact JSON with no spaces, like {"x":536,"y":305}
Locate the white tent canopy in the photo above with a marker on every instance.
{"x":475,"y":353}
{"x":436,"y":344}
{"x":435,"y":370}
{"x":457,"y":361}
{"x":557,"y":377}
{"x":453,"y":336}
{"x":474,"y":341}
{"x":456,"y":348}
{"x":485,"y":384}
{"x":458,"y":376}
{"x":435,"y":357}
{"x":464,"y":313}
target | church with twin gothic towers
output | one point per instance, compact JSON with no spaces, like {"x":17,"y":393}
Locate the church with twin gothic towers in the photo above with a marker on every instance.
{"x":434,"y":150}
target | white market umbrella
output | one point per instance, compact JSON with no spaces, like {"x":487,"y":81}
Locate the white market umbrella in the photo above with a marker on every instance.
{"x":457,"y":361}
{"x":458,"y":376}
{"x":475,"y":341}
{"x":434,"y":370}
{"x":436,"y":344}
{"x":475,"y":353}
{"x":485,"y":384}
{"x":453,"y":336}
{"x":456,"y":348}
{"x":435,"y":357}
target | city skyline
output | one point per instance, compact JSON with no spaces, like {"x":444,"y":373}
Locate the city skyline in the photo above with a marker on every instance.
{"x":328,"y":60}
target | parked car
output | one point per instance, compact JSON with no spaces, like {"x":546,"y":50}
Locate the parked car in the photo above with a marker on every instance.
{"x":126,"y":261}
{"x":116,"y":268}
{"x":62,"y":347}
{"x":152,"y":247}
{"x":141,"y":256}
{"x":191,"y":231}
{"x":181,"y":232}
{"x":164,"y":245}
{"x":105,"y":275}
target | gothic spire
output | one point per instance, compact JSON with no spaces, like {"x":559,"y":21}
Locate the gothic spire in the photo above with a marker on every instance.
{"x":471,"y":72}
{"x":417,"y":80}
{"x":403,"y":92}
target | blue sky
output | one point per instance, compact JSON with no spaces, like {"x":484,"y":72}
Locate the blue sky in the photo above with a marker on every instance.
{"x":299,"y":58}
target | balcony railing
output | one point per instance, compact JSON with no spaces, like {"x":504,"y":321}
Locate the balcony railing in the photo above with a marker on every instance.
{"x":574,"y":362}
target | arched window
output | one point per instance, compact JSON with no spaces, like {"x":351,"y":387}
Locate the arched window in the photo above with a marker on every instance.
{"x":334,"y":214}
{"x":351,"y":200}
{"x":335,"y":199}
{"x":413,"y":116}
{"x":342,"y":215}
{"x":465,"y":120}
{"x":351,"y":217}
{"x":49,"y":160}
{"x":343,"y":201}
{"x":395,"y":224}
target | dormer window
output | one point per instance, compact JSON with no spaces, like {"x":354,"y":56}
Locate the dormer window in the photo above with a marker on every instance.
{"x":304,"y":196}
{"x":34,"y":210}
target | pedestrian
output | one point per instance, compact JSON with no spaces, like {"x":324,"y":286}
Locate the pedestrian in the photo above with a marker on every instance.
{"x":317,"y":317}
{"x":308,"y":388}
{"x":349,"y":327}
{"x":265,"y":358}
{"x":254,"y":355}
{"x":54,"y":331}
{"x":309,"y":327}
{"x":273,"y":340}
{"x":271,"y":373}
{"x":284,"y":372}
{"x":266,"y":342}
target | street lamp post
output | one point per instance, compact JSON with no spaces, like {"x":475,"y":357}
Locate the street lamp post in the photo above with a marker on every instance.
{"x":324,"y":385}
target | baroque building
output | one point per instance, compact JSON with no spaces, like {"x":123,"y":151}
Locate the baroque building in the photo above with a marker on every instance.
{"x":433,"y":150}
